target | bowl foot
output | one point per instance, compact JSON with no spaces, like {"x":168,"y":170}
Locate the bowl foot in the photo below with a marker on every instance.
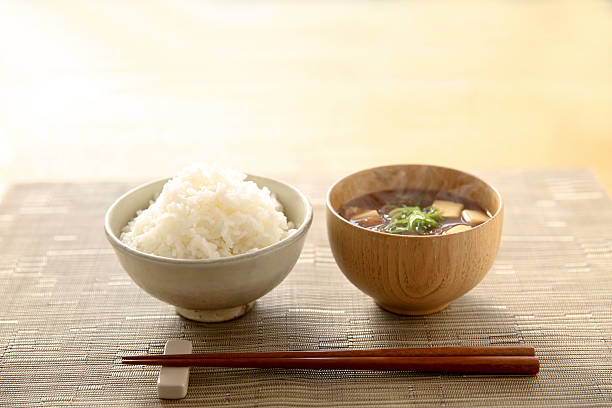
{"x":412,"y":312}
{"x":215,"y":316}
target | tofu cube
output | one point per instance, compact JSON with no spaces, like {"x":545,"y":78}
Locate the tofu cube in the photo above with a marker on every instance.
{"x":366,"y":214}
{"x":474,"y":217}
{"x":448,"y":209}
{"x":349,"y":212}
{"x":370,"y":222}
{"x":458,"y":228}
{"x":368,"y":218}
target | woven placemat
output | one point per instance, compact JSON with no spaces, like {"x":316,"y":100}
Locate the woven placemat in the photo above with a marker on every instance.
{"x":68,"y":311}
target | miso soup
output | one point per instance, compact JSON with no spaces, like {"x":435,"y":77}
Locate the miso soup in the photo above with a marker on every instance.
{"x":414,"y":212}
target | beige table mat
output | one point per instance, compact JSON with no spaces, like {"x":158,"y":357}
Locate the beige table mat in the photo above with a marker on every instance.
{"x":68,"y":311}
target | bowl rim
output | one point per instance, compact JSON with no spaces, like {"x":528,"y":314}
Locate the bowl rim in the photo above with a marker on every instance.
{"x":301,"y":230}
{"x":331,"y":209}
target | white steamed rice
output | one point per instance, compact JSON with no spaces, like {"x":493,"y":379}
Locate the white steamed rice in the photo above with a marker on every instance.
{"x":207,"y":212}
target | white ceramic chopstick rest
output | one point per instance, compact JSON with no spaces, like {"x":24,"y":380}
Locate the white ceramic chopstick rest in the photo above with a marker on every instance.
{"x":173,"y":381}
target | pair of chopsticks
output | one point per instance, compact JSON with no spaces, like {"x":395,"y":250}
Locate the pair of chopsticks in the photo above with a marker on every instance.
{"x":464,"y":360}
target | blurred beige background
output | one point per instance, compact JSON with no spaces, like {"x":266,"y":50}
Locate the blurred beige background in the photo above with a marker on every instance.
{"x":114,"y":90}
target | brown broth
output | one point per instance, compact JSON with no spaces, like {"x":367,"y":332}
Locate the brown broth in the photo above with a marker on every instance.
{"x":385,"y":201}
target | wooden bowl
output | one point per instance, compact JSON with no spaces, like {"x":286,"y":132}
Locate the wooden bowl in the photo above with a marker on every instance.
{"x":406,"y":274}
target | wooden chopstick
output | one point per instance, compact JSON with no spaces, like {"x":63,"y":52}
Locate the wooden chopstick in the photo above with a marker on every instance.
{"x":454,"y":364}
{"x":447,"y":360}
{"x":390,"y":352}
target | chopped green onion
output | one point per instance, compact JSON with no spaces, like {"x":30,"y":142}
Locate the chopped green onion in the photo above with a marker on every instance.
{"x":412,"y":219}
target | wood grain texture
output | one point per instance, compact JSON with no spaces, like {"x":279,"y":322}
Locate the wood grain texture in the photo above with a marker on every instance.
{"x":414,"y":275}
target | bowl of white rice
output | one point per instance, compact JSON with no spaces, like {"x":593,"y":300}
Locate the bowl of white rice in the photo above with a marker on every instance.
{"x":209,"y":241}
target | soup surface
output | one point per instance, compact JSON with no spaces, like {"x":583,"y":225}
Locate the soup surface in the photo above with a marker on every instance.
{"x":414,"y":212}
